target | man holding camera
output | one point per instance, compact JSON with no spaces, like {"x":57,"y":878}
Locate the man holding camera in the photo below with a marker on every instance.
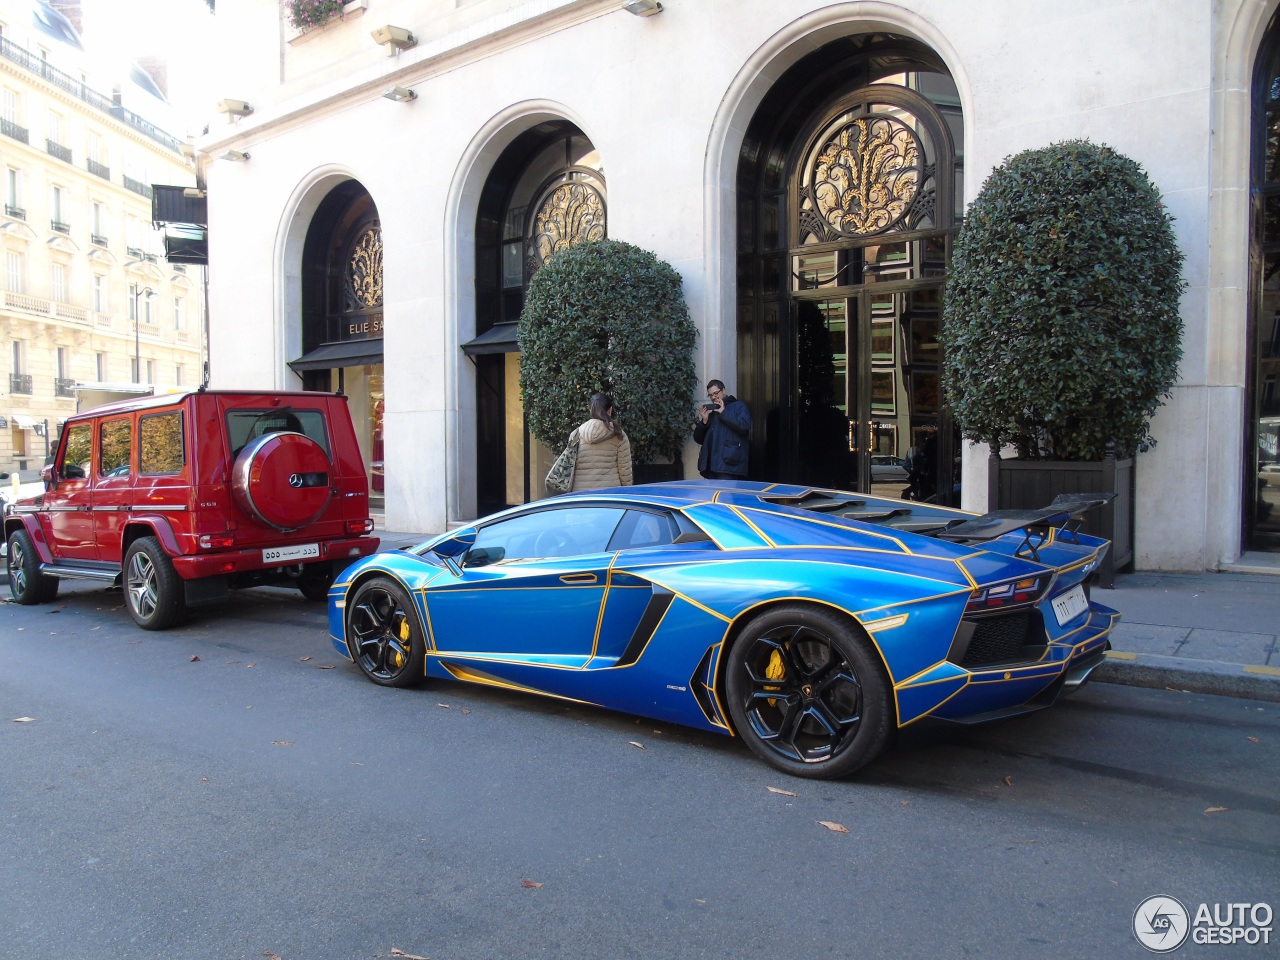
{"x":725,"y":435}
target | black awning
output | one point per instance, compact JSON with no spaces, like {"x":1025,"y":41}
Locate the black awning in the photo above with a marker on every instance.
{"x":352,"y":353}
{"x":501,"y":338}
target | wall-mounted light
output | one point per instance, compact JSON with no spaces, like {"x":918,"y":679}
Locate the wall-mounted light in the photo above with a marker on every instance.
{"x":236,"y":108}
{"x":394,"y":38}
{"x":399,"y":94}
{"x":236,"y":155}
{"x":642,"y":8}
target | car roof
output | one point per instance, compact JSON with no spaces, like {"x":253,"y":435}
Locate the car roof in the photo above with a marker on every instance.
{"x":168,"y":399}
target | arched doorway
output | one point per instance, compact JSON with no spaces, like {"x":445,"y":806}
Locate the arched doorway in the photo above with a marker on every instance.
{"x":848,"y":187}
{"x":545,"y":192}
{"x":1262,"y":456}
{"x":342,"y":315}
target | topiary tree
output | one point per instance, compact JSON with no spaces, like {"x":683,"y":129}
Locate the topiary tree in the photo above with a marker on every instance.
{"x":1061,"y":327}
{"x":608,"y":316}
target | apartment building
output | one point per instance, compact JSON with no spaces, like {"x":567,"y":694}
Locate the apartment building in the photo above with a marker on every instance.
{"x":90,"y":308}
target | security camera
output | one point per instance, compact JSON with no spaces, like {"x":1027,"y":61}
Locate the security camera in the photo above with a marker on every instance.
{"x":235,"y":107}
{"x":395,"y":36}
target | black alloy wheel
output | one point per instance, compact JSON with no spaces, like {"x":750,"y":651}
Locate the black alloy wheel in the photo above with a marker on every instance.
{"x":806,"y":692}
{"x":384,"y":635}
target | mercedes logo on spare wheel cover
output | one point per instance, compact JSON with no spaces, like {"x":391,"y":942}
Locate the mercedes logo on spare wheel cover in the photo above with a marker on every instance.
{"x":295,"y":481}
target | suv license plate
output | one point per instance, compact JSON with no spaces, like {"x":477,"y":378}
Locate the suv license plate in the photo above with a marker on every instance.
{"x":303,"y":551}
{"x":1070,"y":605}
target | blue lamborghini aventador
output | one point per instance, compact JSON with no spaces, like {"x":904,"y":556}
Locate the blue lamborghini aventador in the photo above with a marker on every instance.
{"x":811,"y":623}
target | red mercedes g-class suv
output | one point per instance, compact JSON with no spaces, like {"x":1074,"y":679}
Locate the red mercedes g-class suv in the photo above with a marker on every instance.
{"x":179,"y":497}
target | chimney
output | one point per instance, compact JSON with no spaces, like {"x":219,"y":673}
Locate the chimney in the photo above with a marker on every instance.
{"x":157,"y":68}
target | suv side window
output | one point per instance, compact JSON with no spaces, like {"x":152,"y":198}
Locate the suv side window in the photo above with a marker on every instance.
{"x":161,"y":449}
{"x":78,"y":454}
{"x":245,"y":425}
{"x":115,"y":442}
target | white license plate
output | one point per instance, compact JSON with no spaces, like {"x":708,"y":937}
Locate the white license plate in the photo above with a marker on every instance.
{"x":1070,"y":605}
{"x":303,"y":551}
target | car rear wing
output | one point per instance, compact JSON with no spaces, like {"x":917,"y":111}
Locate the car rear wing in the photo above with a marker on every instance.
{"x":1066,"y":512}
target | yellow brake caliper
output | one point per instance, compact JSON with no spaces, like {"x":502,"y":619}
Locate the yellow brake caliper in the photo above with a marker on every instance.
{"x":403,"y":632}
{"x":774,"y":671}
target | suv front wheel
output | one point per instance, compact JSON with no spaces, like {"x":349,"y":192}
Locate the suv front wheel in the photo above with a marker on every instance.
{"x":27,"y":584}
{"x":152,"y":588}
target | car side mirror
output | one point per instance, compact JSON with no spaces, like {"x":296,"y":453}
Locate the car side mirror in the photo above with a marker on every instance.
{"x":49,"y":477}
{"x":455,"y":546}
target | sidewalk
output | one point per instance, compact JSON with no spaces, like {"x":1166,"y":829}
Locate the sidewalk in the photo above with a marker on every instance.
{"x":1215,"y":633}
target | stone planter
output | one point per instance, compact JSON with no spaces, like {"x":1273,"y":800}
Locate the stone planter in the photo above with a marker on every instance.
{"x":1027,"y":484}
{"x":657,"y":472}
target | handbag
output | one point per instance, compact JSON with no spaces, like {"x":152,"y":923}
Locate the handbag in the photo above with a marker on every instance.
{"x":560,"y":476}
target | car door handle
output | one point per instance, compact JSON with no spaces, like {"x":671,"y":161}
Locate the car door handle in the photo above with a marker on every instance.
{"x":578,"y":578}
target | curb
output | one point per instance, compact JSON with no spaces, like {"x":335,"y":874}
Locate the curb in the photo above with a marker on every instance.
{"x":1190,"y":676}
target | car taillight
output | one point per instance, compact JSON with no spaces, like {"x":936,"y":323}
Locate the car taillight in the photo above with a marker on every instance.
{"x":216,"y":541}
{"x":360,"y":526}
{"x":1007,"y":594}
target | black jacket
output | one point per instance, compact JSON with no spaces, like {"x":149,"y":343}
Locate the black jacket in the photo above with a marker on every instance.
{"x":725,"y":439}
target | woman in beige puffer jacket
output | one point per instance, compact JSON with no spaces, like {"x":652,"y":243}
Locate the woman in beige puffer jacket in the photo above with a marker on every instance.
{"x":604,"y":453}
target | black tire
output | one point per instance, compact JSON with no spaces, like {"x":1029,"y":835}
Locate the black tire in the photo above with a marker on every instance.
{"x":153,"y":591}
{"x":384,"y":634}
{"x":807,"y":692}
{"x":315,"y":584}
{"x":27,"y":585}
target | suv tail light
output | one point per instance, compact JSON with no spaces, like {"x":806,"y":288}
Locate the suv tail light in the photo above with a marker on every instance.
{"x":358,"y":527}
{"x":1010,"y":593}
{"x":217,"y":541}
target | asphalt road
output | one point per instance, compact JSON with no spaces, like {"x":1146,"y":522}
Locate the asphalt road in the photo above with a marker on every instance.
{"x":233,"y":788}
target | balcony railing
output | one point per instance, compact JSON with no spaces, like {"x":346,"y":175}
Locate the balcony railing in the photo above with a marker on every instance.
{"x":142,"y":189}
{"x":11,"y":129}
{"x":16,"y":212}
{"x":98,"y":240}
{"x":64,"y":387}
{"x":57,"y":226}
{"x":20,"y":383}
{"x":134,"y":253}
{"x":39,"y":66}
{"x":56,"y":149}
{"x":98,"y":169}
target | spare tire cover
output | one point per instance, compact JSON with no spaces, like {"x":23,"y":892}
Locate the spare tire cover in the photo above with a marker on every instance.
{"x":282,"y":480}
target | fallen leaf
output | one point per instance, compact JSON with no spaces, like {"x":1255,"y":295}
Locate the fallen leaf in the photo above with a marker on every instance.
{"x":193,"y":658}
{"x":701,"y":903}
{"x":251,"y":663}
{"x":408,"y":956}
{"x":24,"y":719}
{"x":271,"y":956}
{"x":636,"y":743}
{"x":785,"y":793}
{"x":204,"y":779}
{"x":904,"y":803}
{"x":834,"y":827}
{"x":304,"y":659}
{"x":530,"y":884}
{"x":1215,"y":810}
{"x":1008,"y":781}
{"x":445,"y":705}
{"x":1253,"y":739}
{"x":324,"y":666}
{"x":464,"y":710}
{"x":284,"y":743}
{"x":355,"y":763}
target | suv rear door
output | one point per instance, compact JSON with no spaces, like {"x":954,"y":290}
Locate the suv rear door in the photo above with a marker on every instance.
{"x":113,"y":487}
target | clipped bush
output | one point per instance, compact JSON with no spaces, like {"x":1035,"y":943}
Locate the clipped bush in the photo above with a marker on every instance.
{"x":609,"y":316}
{"x":1061,"y":326}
